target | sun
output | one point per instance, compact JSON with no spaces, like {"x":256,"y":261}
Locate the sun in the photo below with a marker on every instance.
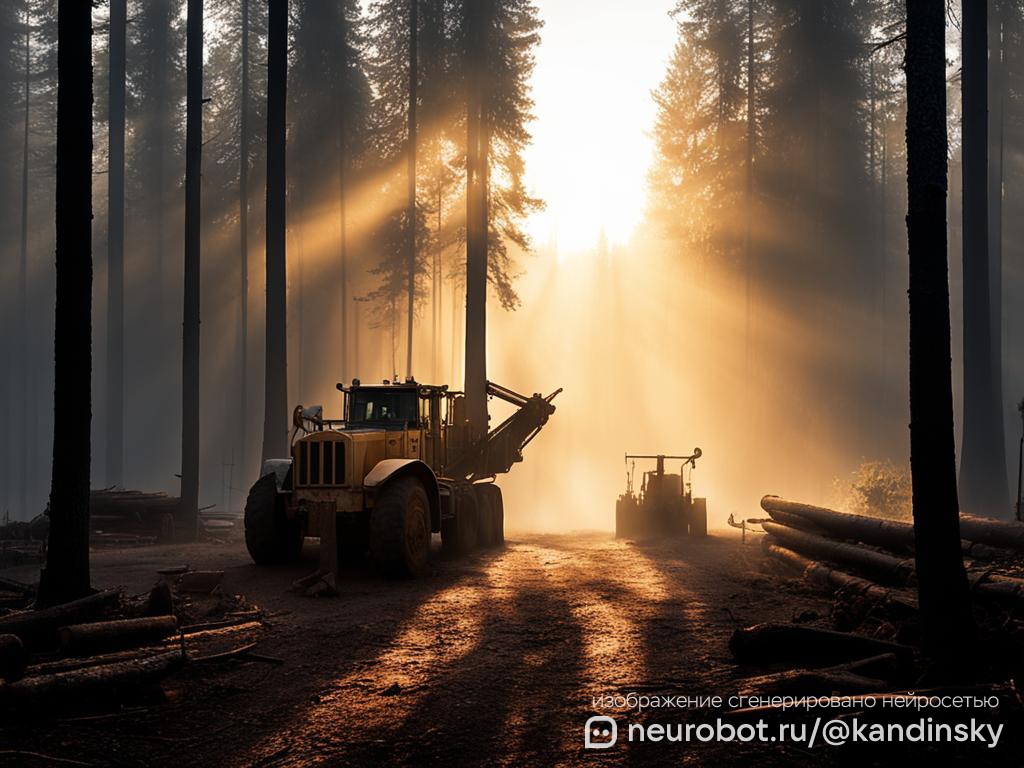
{"x":591,"y":146}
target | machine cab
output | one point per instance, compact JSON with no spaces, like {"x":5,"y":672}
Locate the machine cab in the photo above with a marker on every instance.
{"x":391,"y":407}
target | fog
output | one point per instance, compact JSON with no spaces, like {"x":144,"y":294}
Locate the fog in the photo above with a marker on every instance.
{"x":785,"y":363}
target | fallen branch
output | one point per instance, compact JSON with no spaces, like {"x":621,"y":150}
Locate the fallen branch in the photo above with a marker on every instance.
{"x":766,"y":643}
{"x":242,"y":650}
{"x":210,"y":626}
{"x":864,"y":676}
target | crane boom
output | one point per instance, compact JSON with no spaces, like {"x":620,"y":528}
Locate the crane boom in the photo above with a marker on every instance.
{"x":496,"y":452}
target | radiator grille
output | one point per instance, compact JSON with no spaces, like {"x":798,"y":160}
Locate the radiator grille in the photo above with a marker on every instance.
{"x":320,"y":463}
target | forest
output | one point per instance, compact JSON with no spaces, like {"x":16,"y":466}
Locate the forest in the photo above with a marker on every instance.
{"x":235,"y":234}
{"x":777,"y":176}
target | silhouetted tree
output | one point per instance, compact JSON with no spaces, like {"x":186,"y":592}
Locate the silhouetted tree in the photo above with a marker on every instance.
{"x":23,"y":296}
{"x":329,"y":97}
{"x":66,"y":575}
{"x":275,"y":419}
{"x":411,"y":215}
{"x":478,"y":20}
{"x":496,"y":42}
{"x":235,"y":84}
{"x":189,"y":517}
{"x":10,"y":79}
{"x":401,"y":233}
{"x":944,"y":598}
{"x":115,"y":242}
{"x":983,"y":459}
{"x":155,"y":164}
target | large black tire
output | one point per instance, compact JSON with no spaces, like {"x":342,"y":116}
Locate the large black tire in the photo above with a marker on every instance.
{"x":467,"y":535}
{"x":498,"y":512}
{"x":270,"y":537}
{"x":485,"y":533}
{"x":400,"y":528}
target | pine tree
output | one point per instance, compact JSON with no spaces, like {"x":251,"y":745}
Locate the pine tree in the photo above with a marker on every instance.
{"x":947,"y":624}
{"x":189,"y":517}
{"x":402,"y":234}
{"x":115,"y":241}
{"x":66,"y":575}
{"x":10,"y":21}
{"x":983,"y":484}
{"x":329,"y":95}
{"x":275,"y":419}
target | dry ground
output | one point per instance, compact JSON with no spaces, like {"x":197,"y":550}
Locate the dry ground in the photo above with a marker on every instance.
{"x":489,"y":661}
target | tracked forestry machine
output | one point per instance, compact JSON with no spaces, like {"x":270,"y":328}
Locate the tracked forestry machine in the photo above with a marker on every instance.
{"x":664,"y":505}
{"x":402,"y":464}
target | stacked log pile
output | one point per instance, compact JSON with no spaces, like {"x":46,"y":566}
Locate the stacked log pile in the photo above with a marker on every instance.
{"x":864,"y":561}
{"x":874,"y":556}
{"x":106,"y":647}
{"x":122,"y":517}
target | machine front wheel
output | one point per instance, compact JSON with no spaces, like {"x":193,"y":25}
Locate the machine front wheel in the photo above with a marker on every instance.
{"x":400,"y":528}
{"x":270,"y":537}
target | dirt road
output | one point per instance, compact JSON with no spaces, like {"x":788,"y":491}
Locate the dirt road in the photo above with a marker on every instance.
{"x":490,"y":661}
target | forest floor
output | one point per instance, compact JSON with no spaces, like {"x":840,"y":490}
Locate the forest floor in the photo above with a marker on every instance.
{"x":494,"y":660}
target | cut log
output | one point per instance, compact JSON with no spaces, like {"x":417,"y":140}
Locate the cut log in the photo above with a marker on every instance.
{"x":992,"y":586}
{"x":891,"y":534}
{"x":13,"y":658}
{"x":39,"y":628}
{"x":81,"y":662}
{"x":89,"y":684}
{"x":894,"y":570}
{"x":200,"y":582}
{"x":767,"y":643}
{"x":996,"y":533}
{"x":833,"y":580}
{"x":105,"y":636}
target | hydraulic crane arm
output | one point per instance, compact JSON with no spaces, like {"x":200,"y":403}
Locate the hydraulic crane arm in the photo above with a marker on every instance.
{"x":503,"y":446}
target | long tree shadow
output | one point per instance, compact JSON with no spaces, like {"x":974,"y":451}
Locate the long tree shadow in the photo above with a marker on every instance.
{"x":372,"y":657}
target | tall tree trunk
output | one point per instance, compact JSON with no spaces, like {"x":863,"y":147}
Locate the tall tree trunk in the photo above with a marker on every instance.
{"x":476,"y":231}
{"x":339,"y":105}
{"x":983,"y":483}
{"x":24,"y":362}
{"x":115,"y":244}
{"x":747,"y":233}
{"x":997,"y":85}
{"x":66,"y":575}
{"x":189,"y":516}
{"x":947,"y":625}
{"x":411,"y":215}
{"x":275,"y":414}
{"x":243,"y":247}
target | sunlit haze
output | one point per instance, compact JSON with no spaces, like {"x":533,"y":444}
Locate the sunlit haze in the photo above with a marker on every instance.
{"x":594,"y":176}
